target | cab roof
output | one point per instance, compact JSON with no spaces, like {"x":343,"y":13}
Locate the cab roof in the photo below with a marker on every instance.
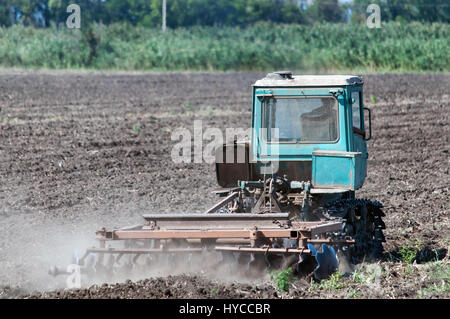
{"x":286,"y":79}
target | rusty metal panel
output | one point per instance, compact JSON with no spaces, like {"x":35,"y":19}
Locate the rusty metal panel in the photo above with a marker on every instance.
{"x":325,"y":228}
{"x":222,"y":203}
{"x":295,"y":170}
{"x":248,"y":249}
{"x":232,"y":164}
{"x":302,"y":231}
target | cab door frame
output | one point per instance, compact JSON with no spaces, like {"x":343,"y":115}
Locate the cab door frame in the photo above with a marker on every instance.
{"x":358,"y":134}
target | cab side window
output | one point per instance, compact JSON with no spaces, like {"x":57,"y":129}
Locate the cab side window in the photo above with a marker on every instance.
{"x":356,"y":110}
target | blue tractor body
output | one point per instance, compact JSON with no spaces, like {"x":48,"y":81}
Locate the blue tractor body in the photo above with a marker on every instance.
{"x":328,"y":145}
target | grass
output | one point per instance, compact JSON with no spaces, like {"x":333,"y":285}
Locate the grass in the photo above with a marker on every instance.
{"x":213,"y":291}
{"x":390,"y":279}
{"x":435,"y":288}
{"x":354,"y":294}
{"x":357,"y":276}
{"x":411,"y":47}
{"x":438,"y":275}
{"x":335,"y":282}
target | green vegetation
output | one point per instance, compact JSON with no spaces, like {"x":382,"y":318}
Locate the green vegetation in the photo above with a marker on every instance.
{"x":370,"y":279}
{"x":213,"y":291}
{"x":353,"y":294}
{"x":258,"y":35}
{"x":335,"y":282}
{"x":409,"y":252}
{"x":283,"y":279}
{"x":264,"y":46}
{"x":358,"y":275}
{"x":439,"y":273}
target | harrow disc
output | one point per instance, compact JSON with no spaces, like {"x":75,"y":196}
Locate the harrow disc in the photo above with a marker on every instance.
{"x":327,"y":262}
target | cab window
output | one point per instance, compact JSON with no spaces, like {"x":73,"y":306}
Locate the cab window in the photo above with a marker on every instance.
{"x":356,"y":110}
{"x":299,"y":120}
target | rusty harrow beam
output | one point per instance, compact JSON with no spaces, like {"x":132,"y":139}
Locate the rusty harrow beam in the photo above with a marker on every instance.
{"x":263,"y":250}
{"x":299,"y":230}
{"x":202,"y":234}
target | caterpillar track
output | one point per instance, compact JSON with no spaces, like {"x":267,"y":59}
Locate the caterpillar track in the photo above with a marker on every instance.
{"x":363,"y":222}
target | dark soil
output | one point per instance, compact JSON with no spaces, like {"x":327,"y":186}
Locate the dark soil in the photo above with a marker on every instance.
{"x":181,"y":286}
{"x":81,"y":150}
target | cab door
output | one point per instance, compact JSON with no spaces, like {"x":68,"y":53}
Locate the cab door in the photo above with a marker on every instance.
{"x":359,"y":135}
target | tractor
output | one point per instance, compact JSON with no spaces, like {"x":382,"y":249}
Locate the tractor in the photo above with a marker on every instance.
{"x":287,"y":192}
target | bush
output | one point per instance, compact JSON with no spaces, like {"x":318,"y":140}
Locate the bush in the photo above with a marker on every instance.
{"x":263,"y":46}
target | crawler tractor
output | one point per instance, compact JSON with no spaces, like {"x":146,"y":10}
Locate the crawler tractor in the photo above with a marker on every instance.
{"x":288,"y":192}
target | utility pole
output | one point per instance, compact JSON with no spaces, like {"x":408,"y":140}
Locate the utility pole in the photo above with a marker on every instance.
{"x":164,"y":15}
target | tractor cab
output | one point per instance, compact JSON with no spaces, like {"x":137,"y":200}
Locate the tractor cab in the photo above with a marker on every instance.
{"x":310,"y":128}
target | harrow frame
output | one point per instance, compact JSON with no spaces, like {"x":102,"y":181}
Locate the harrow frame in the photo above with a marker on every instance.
{"x":249,"y":233}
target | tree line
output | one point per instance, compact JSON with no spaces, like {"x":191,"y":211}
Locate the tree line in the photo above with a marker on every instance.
{"x":186,"y":13}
